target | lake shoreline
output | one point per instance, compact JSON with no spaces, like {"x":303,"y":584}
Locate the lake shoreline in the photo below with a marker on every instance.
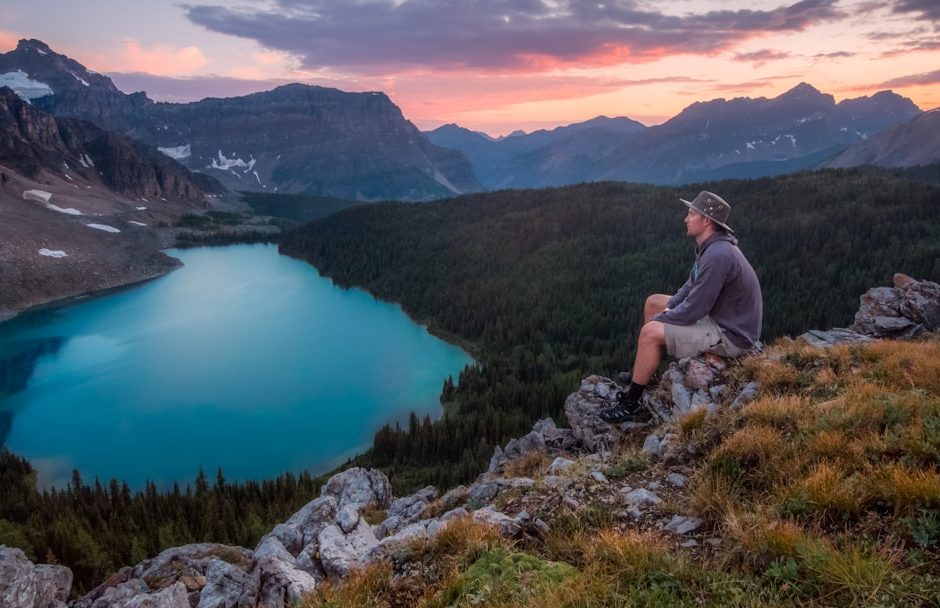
{"x":245,"y":346}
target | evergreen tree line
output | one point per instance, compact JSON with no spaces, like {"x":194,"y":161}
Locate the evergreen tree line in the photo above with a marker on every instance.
{"x":96,"y":528}
{"x":545,"y":287}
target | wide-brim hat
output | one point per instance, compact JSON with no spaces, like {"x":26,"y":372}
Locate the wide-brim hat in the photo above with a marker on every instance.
{"x":711,"y":206}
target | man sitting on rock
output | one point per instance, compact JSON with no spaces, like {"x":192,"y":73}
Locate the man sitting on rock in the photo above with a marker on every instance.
{"x":718,"y":310}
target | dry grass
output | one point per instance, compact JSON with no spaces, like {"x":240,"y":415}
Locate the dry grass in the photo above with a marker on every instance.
{"x":531,"y":465}
{"x":825,"y":491}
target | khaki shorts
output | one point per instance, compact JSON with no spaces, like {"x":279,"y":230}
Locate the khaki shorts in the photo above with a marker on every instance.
{"x":703,"y":336}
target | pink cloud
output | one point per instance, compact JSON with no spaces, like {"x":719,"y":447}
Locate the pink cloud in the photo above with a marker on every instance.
{"x":159,"y":60}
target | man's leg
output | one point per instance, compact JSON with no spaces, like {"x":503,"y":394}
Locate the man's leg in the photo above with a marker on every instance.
{"x":655,"y":304}
{"x":648,"y":351}
{"x":648,"y":354}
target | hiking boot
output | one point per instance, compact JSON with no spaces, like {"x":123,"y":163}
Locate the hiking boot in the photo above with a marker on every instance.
{"x":625,"y":411}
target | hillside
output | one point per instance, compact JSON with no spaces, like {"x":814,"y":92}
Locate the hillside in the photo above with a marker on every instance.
{"x":910,"y":144}
{"x":807,"y":477}
{"x":79,"y":207}
{"x":545,"y":287}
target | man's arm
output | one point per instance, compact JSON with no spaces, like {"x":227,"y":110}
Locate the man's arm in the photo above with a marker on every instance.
{"x":681,"y":294}
{"x":702,"y":293}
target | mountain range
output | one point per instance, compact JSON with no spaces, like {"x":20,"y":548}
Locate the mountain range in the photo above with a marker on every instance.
{"x":741,"y":137}
{"x":295,"y":138}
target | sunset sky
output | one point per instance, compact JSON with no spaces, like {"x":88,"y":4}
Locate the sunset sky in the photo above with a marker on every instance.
{"x":499,"y":65}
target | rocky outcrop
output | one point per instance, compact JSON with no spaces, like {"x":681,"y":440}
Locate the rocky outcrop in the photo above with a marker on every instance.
{"x":906,"y":310}
{"x":25,"y":585}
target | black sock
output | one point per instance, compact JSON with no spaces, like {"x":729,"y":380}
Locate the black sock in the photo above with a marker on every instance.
{"x":635,"y":391}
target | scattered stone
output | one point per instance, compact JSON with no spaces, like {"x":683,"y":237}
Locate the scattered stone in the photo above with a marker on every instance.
{"x":748,"y":393}
{"x":599,"y":477}
{"x":559,"y":465}
{"x":713,"y":542}
{"x":689,"y":544}
{"x":643,"y":498}
{"x":556,"y":482}
{"x":571,"y":503}
{"x":651,"y":445}
{"x":676,"y":479}
{"x":654,"y":485}
{"x":681,"y":524}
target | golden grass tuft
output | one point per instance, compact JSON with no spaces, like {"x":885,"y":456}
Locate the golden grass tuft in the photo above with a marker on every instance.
{"x":905,"y":488}
{"x":626,"y":554}
{"x":758,"y":539}
{"x":783,"y":412}
{"x":754,"y":455}
{"x":531,"y":465}
{"x":828,"y":491}
{"x":773,"y":376}
{"x":465,"y":537}
{"x":854,"y":577}
{"x":712,"y":495}
{"x":905,"y":365}
{"x":362,"y":589}
{"x":692,"y":421}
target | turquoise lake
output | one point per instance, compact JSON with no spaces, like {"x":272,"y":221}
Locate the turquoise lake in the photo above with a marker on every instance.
{"x":243,"y":359}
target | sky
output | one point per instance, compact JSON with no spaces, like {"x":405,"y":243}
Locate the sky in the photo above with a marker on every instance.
{"x":499,"y":65}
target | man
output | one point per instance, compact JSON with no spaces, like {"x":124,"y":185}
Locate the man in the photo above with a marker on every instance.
{"x":718,"y":310}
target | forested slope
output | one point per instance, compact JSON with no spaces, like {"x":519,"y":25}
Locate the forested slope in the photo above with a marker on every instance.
{"x":546,"y":286}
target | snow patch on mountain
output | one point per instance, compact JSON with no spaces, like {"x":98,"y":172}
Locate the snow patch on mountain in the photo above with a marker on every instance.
{"x":104,"y":227}
{"x":179,"y":152}
{"x":37,"y":195}
{"x":79,"y":78}
{"x":24,"y":86}
{"x":66,"y":210}
{"x":224,"y":163}
{"x":49,"y":253}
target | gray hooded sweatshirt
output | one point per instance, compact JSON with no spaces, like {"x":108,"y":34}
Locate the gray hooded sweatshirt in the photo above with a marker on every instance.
{"x":722,"y":285}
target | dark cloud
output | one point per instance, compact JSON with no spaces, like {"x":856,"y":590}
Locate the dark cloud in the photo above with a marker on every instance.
{"x":835,"y":55}
{"x":761,"y":57}
{"x":928,"y":9}
{"x":372,"y":36}
{"x":913,"y":46}
{"x":912,"y":80}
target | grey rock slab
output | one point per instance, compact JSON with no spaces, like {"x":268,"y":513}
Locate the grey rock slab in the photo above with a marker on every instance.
{"x":337,"y":554}
{"x":291,"y":537}
{"x":17,"y":581}
{"x":174,"y":596}
{"x":226,"y":586}
{"x":348,"y":518}
{"x":271,"y":547}
{"x":454,"y":498}
{"x":599,"y":477}
{"x":507,"y":525}
{"x":454,"y":513}
{"x":282,"y":584}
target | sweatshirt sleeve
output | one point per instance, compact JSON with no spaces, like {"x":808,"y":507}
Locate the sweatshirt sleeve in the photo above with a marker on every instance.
{"x":703,"y":292}
{"x":681,"y":294}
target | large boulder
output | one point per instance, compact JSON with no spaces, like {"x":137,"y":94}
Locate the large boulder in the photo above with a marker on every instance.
{"x":905,"y":310}
{"x":359,"y":488}
{"x":25,"y":585}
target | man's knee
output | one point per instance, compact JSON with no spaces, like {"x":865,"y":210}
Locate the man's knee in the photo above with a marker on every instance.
{"x":653,"y":332}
